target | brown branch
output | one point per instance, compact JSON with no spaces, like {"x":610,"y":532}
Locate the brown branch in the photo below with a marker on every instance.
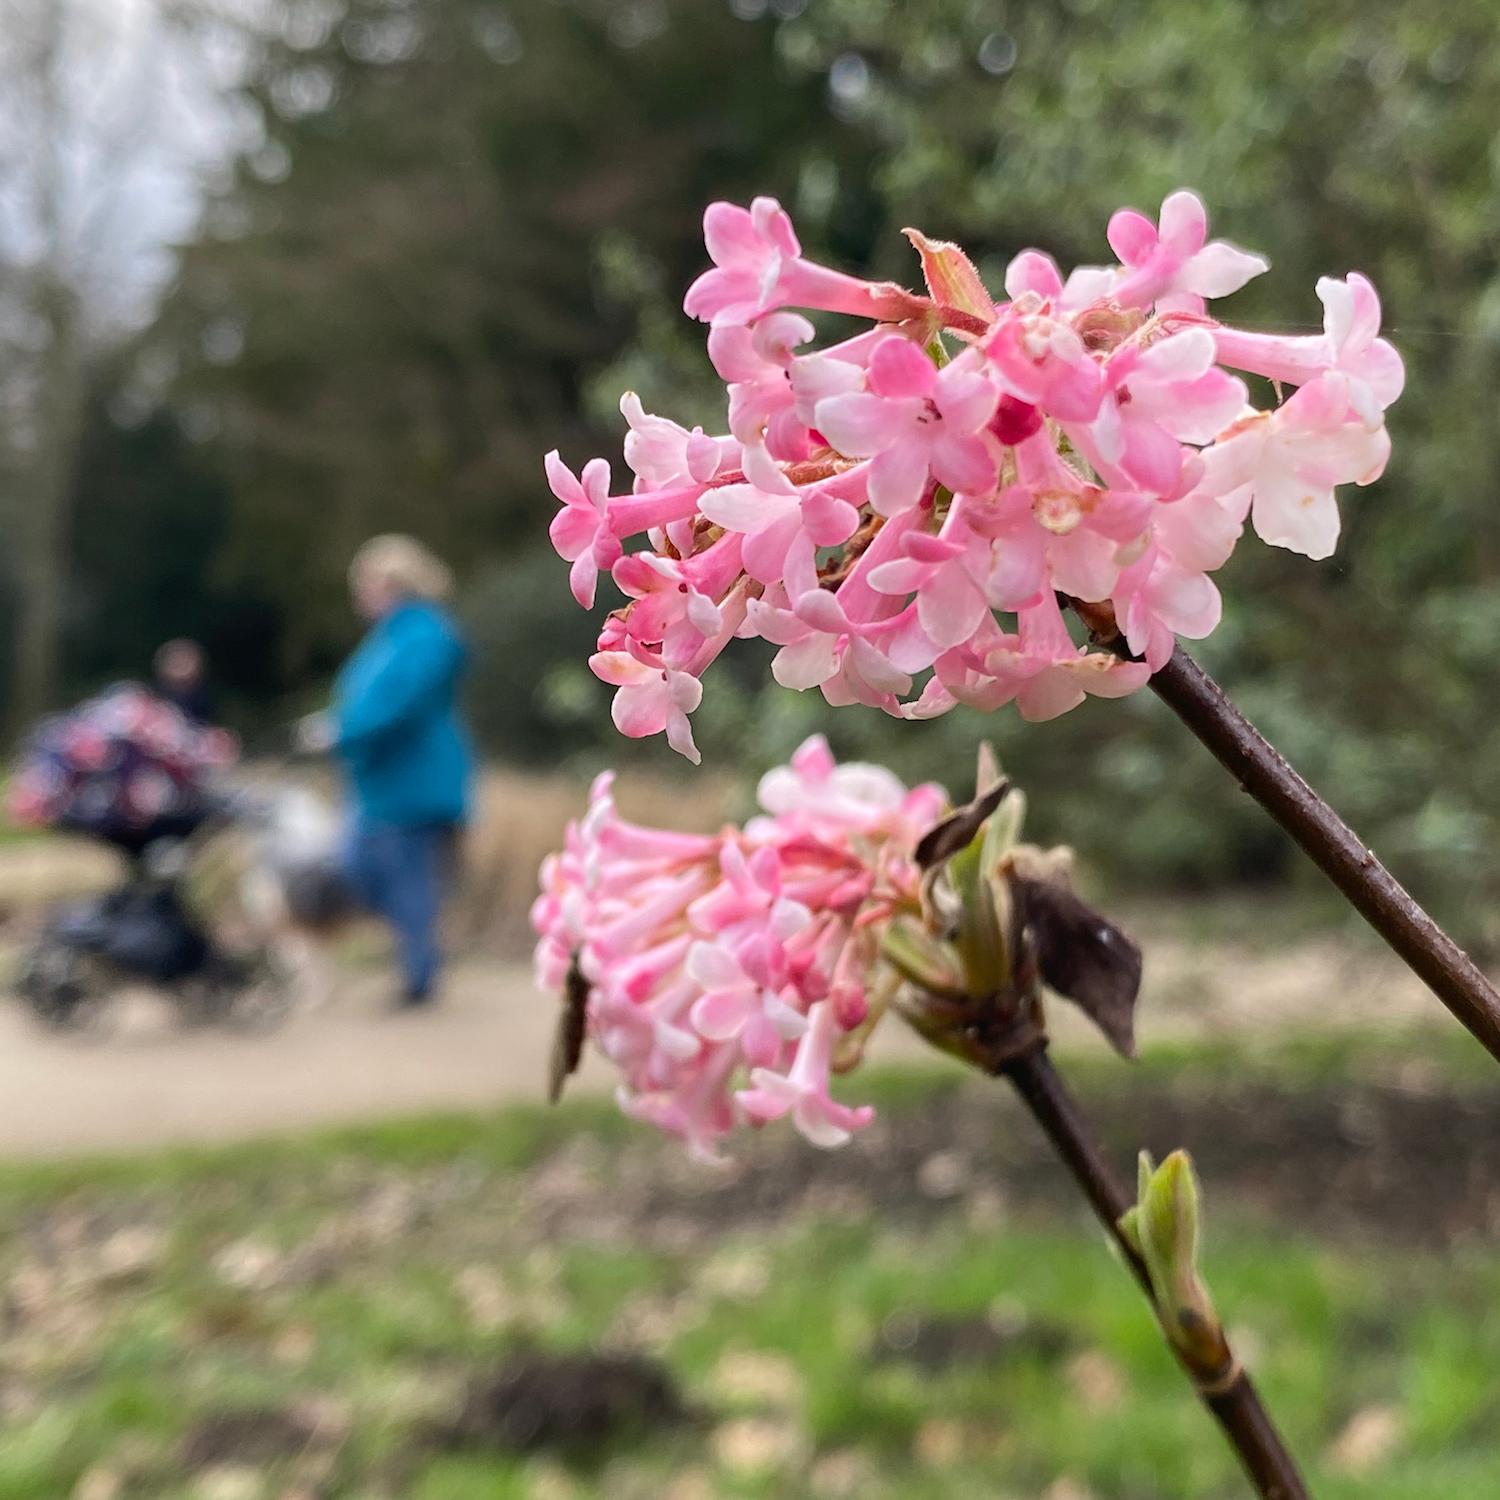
{"x":1332,"y":845}
{"x":1227,"y":1394}
{"x":1324,"y":837}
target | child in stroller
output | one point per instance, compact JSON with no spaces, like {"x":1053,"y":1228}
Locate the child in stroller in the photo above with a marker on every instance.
{"x":134,"y":771}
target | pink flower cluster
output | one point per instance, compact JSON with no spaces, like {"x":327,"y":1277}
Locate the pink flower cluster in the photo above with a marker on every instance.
{"x":728,"y":974}
{"x":899,"y":512}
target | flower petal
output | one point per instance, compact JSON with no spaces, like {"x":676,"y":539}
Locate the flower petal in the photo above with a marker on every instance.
{"x":967,"y":464}
{"x":898,"y":368}
{"x":951,"y":608}
{"x":639,"y":712}
{"x":1219,"y":269}
{"x":744,"y":507}
{"x":898,"y":477}
{"x":1183,"y":222}
{"x":1131,"y":235}
{"x":808,"y":664}
{"x":858,"y":424}
{"x":1286,"y":512}
{"x":721,"y":1015}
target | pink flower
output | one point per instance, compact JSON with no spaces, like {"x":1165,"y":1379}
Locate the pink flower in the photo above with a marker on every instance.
{"x":756,"y":361}
{"x":775,"y":518}
{"x":734,"y":1007}
{"x":750,"y":892}
{"x":854,"y":644}
{"x":948,"y":573}
{"x":836,"y":371}
{"x":1156,"y":399}
{"x":1171,"y":266}
{"x":1198,"y":531}
{"x":1035,"y":273}
{"x":758,"y":268}
{"x":1054,"y":530}
{"x":815,"y":789}
{"x":1157,"y":599}
{"x":803,"y":1090}
{"x":1164,"y":592}
{"x":696,"y":1110}
{"x":652,"y":697}
{"x":580,"y":530}
{"x":587,"y":531}
{"x":664,"y":456}
{"x":744,"y":957}
{"x":672,"y":608}
{"x":1285,"y":464}
{"x":833,"y":654}
{"x":879,"y":511}
{"x":1041,"y":360}
{"x":1348,"y":344}
{"x":916,"y":421}
{"x":1046,"y":674}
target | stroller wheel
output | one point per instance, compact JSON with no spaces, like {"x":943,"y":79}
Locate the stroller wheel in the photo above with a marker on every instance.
{"x":202,"y":1001}
{"x":64,"y":989}
{"x":255,"y":996}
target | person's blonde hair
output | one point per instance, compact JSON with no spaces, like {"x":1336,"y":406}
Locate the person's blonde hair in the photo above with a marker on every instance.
{"x":405,"y":564}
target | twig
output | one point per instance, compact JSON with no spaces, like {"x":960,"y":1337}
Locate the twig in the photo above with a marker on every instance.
{"x":1324,"y":837}
{"x":1228,"y":1394}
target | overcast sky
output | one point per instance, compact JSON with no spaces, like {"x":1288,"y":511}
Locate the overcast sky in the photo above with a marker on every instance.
{"x":139,"y":118}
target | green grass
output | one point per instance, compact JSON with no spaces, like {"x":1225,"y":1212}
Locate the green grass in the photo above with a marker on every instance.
{"x":378,"y":1269}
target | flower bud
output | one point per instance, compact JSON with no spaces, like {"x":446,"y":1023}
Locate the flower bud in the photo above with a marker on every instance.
{"x":1163,"y":1227}
{"x":1000,"y":916}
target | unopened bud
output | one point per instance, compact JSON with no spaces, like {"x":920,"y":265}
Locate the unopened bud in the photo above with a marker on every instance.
{"x":851,"y":1005}
{"x":1164,"y":1229}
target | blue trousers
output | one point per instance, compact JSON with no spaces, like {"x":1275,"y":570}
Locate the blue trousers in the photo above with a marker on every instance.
{"x":401,"y":872}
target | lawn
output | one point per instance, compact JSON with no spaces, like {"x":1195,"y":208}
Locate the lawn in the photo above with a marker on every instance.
{"x":371,"y":1313}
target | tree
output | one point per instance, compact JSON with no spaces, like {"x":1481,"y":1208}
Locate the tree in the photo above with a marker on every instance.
{"x":412,"y":274}
{"x":458,"y":223}
{"x":88,"y":192}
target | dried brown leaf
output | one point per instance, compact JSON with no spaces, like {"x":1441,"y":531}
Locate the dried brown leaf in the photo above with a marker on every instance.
{"x":957,"y":831}
{"x":1084,"y":957}
{"x":572,"y":1027}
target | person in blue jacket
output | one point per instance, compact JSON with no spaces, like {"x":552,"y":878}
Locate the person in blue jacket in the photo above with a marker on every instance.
{"x":395,"y":725}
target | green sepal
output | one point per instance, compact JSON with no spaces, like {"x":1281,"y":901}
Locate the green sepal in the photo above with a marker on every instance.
{"x":922,"y":959}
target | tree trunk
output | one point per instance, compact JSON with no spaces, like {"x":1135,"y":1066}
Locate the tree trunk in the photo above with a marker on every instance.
{"x":42,"y":522}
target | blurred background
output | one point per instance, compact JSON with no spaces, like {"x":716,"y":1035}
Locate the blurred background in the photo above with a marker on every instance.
{"x":279,"y":274}
{"x":274,"y":277}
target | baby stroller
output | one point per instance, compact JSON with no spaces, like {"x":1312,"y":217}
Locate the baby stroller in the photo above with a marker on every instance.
{"x":134,"y":772}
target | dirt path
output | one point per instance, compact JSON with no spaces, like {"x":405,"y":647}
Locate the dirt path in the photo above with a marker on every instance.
{"x":348,"y":1059}
{"x":150,"y":1083}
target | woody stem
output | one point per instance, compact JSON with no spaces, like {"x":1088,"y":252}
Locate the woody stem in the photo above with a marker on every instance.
{"x":1324,"y":837}
{"x":1232,"y":1400}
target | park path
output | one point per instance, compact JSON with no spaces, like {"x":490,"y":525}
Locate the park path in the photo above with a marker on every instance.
{"x":348,"y":1059}
{"x":151,"y":1083}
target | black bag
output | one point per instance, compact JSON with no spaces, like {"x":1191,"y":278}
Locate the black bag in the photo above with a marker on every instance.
{"x":141,"y":930}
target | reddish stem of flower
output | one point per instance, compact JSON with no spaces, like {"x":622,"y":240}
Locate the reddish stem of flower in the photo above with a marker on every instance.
{"x":1324,"y":837}
{"x":1232,"y":1400}
{"x":959,"y":320}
